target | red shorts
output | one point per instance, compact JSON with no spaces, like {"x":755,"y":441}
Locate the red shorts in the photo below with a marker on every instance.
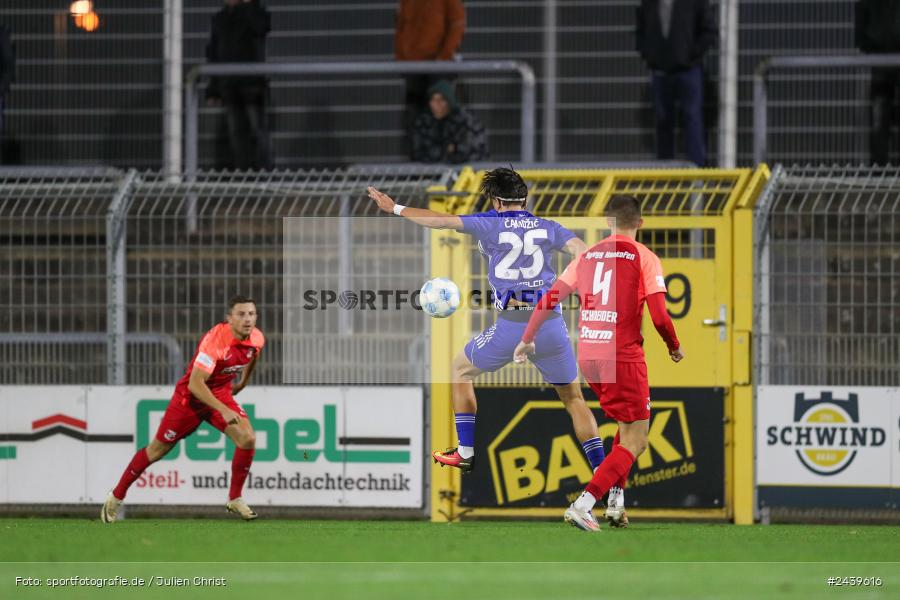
{"x":628,"y":399}
{"x":182,"y":418}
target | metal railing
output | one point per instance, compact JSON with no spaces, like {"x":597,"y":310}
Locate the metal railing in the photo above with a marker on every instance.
{"x":192,"y":109}
{"x":19,"y":345}
{"x":760,"y":85}
{"x":104,"y":282}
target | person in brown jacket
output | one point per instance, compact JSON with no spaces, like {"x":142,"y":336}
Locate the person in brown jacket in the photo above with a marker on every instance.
{"x":426,"y":30}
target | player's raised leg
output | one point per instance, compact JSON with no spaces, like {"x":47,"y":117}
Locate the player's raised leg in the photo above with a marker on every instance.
{"x":464,"y":409}
{"x":244,"y":439}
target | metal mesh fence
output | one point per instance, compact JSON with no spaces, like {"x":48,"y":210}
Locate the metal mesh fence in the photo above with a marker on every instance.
{"x":348,"y":287}
{"x":188,"y":247}
{"x":53,"y":274}
{"x":829,"y":261}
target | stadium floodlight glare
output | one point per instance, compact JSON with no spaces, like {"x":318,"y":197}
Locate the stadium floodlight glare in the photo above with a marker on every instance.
{"x":80,"y":8}
{"x":89,"y":22}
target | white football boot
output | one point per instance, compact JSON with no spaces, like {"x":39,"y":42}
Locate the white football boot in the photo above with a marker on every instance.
{"x":239,"y":507}
{"x":109,"y":512}
{"x":615,"y":509}
{"x":582,"y":519}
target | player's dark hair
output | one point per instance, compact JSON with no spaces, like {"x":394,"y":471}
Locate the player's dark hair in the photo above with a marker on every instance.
{"x":504,"y":183}
{"x":625,"y":209}
{"x":239,"y":299}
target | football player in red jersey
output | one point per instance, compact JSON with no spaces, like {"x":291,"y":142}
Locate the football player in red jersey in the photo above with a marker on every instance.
{"x":613,"y":279}
{"x":206,"y":393}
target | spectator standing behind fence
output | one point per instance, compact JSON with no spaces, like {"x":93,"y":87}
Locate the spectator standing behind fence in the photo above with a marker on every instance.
{"x":878,"y":32}
{"x":672,"y":38}
{"x":239,"y":32}
{"x":446,"y":132}
{"x":427,"y":30}
{"x":7,"y":70}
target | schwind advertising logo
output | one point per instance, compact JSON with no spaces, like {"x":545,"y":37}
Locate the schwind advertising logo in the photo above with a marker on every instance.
{"x":826,"y":435}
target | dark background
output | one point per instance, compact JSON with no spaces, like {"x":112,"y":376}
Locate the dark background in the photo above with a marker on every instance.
{"x":96,"y":98}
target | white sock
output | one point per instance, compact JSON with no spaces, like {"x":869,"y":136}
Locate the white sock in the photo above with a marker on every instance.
{"x":466,"y":451}
{"x":616,"y":498}
{"x":585,"y":501}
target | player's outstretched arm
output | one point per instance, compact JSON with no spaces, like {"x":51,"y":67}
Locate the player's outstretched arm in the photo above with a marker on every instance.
{"x":420,"y":216}
{"x":245,"y":376}
{"x":198,"y":388}
{"x":663,"y":324}
{"x":575,"y":246}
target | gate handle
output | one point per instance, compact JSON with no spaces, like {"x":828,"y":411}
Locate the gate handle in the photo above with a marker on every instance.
{"x":721,"y":322}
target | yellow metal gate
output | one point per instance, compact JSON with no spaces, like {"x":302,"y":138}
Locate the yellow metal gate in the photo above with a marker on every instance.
{"x":699,"y":223}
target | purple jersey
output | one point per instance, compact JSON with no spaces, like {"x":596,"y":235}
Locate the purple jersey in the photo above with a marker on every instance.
{"x":518,"y":247}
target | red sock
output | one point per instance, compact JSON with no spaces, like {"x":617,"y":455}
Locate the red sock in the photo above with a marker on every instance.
{"x":611,"y":471}
{"x":240,"y":468}
{"x":134,"y":469}
{"x":621,"y":483}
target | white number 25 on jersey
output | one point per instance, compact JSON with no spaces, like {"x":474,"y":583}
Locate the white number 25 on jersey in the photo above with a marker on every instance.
{"x":526,"y":244}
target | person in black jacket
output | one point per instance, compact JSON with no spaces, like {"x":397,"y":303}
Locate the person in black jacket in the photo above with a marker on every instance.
{"x":239,"y":32}
{"x":446,"y":132}
{"x":7,"y":70}
{"x":878,"y":32}
{"x":672,"y":38}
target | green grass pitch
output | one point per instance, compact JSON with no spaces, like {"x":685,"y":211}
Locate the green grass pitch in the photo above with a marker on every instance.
{"x":460,"y":561}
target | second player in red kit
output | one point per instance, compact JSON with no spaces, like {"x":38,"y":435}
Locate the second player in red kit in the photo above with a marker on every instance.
{"x":613,"y":279}
{"x":206,"y":393}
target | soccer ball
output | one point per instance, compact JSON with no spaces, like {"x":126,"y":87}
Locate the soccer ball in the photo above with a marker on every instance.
{"x":439,"y":297}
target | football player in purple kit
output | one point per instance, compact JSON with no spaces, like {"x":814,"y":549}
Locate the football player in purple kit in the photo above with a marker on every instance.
{"x":518,"y":247}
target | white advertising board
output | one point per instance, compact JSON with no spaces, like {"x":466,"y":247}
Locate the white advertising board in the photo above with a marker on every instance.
{"x":315,"y":446}
{"x":828,"y":436}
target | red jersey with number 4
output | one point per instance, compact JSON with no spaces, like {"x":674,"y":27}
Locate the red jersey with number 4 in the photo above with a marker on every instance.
{"x":613,"y":278}
{"x":223,"y":356}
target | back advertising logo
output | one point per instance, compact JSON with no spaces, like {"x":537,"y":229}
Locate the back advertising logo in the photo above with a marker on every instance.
{"x":533,"y":459}
{"x":524,"y":465}
{"x":825,"y":435}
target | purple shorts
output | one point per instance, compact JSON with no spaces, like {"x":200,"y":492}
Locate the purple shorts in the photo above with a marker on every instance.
{"x":493,"y":348}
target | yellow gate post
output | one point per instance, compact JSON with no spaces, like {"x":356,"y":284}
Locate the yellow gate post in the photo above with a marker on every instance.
{"x":447,"y":260}
{"x":743,"y":497}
